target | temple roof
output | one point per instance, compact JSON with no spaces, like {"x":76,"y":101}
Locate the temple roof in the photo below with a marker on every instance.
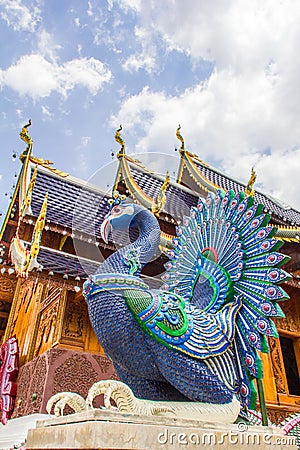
{"x":146,"y":186}
{"x":210,"y":179}
{"x":72,"y":203}
{"x":62,"y":263}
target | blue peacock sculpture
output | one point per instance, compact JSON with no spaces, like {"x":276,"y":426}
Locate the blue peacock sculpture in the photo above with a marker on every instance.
{"x":196,"y":338}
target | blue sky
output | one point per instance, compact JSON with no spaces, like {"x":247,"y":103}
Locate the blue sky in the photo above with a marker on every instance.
{"x":228,"y":72}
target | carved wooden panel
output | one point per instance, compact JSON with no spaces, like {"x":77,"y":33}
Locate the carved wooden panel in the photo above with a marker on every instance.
{"x":278,"y":365}
{"x":52,"y":294}
{"x":7,"y":286}
{"x":75,"y":322}
{"x":47,"y":325}
{"x":278,"y":415}
{"x":291,"y":321}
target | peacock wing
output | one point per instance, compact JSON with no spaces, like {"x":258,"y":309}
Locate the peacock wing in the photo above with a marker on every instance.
{"x":172,"y":321}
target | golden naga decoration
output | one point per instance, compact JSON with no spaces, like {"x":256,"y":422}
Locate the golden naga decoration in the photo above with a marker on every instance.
{"x":158,"y":205}
{"x":178,"y":135}
{"x":26,"y":155}
{"x":23,"y":259}
{"x":249,"y":191}
{"x":48,"y":165}
{"x":119,"y":139}
{"x":31,"y":261}
{"x":26,"y":205}
{"x":24,"y":134}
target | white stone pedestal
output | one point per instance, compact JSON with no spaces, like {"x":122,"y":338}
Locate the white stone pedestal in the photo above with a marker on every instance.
{"x":104,"y":429}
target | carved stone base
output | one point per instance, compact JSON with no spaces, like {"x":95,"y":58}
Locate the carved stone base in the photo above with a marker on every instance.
{"x":57,"y":370}
{"x":102,"y":429}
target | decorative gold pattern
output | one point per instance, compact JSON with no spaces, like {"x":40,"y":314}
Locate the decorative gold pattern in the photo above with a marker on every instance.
{"x":119,"y":139}
{"x":249,"y":191}
{"x":287,"y":234}
{"x":75,"y":320}
{"x":158,"y":205}
{"x":178,"y":135}
{"x":48,"y":165}
{"x":277,"y":365}
{"x":47,"y":325}
{"x":24,"y":134}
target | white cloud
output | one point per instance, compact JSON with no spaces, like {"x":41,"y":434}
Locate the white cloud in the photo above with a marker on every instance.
{"x":47,"y":46}
{"x":231,"y":121}
{"x":18,"y":16}
{"x":247,"y":112}
{"x":146,"y":59}
{"x":35,"y":76}
{"x":46,"y":112}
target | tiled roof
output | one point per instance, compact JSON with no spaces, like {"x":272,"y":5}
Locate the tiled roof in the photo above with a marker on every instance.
{"x":62,"y":263}
{"x":285,"y":213}
{"x":72,"y":265}
{"x":179,"y":199}
{"x":70,"y":204}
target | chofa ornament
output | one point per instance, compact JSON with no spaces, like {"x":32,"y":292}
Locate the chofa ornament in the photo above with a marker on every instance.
{"x":196,"y":339}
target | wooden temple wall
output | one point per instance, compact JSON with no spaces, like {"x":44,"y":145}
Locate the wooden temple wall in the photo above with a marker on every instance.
{"x":49,"y":313}
{"x":50,"y":320}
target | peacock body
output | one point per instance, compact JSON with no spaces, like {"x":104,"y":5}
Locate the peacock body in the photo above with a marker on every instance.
{"x":196,"y":338}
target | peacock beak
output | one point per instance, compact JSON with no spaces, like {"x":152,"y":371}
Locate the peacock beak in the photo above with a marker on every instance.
{"x":105,"y":229}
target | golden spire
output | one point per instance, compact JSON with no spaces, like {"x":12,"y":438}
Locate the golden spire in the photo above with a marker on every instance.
{"x":249,"y":191}
{"x":24,"y":133}
{"x":26,"y":138}
{"x":158,"y":205}
{"x":178,"y":135}
{"x":119,"y":139}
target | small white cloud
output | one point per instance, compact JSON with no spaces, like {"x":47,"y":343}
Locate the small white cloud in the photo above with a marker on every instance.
{"x":18,"y":16}
{"x":46,"y":112}
{"x":146,"y":58}
{"x":135,"y":5}
{"x":85,"y":140}
{"x":47,"y":46}
{"x":35,"y":76}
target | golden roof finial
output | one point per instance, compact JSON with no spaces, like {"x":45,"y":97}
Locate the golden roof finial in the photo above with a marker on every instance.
{"x":26,"y":138}
{"x":24,"y":133}
{"x":119,"y":139}
{"x":178,"y":135}
{"x":158,"y":205}
{"x":249,"y":191}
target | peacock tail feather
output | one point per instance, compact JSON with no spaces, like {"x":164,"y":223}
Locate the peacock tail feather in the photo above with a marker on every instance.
{"x":224,"y":251}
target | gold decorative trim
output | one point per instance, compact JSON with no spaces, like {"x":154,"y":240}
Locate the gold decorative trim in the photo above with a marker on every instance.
{"x":288,"y":234}
{"x":179,"y":136}
{"x":197,"y":176}
{"x":157,"y":205}
{"x":249,"y":191}
{"x":119,"y":139}
{"x":48,"y":165}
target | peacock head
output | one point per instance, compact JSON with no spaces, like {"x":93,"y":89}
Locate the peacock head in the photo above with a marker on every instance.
{"x":120,"y":217}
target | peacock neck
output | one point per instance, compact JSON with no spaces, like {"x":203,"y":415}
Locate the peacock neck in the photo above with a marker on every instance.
{"x":144,"y":247}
